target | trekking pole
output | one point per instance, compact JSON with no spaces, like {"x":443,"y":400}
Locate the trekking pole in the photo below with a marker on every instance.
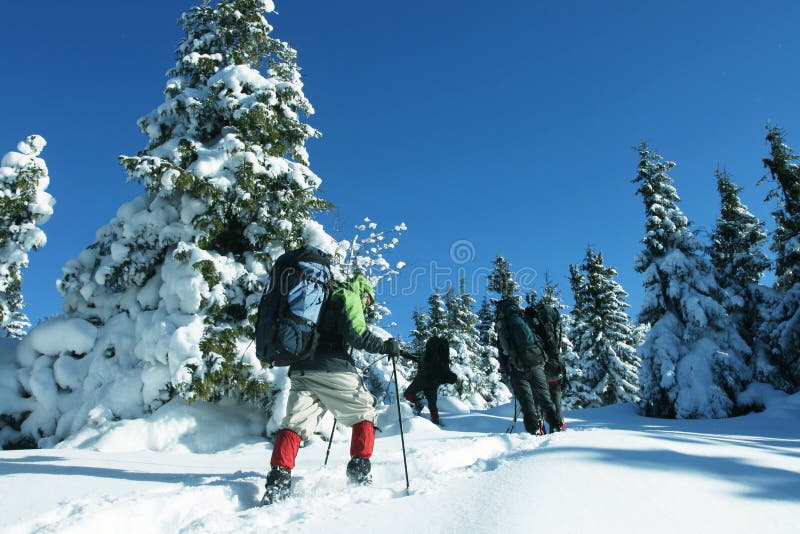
{"x":330,"y":442}
{"x":400,"y":420}
{"x":514,"y":423}
{"x":376,"y":360}
{"x":373,"y":362}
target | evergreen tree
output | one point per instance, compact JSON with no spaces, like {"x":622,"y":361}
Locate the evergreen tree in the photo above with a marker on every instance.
{"x":780,"y":333}
{"x":420,"y":333}
{"x":574,"y":393}
{"x":476,"y":366}
{"x":462,"y":335}
{"x":438,"y":317}
{"x":24,"y":206}
{"x":489,"y":356}
{"x":605,"y":336}
{"x":472,"y":352}
{"x":738,"y":260}
{"x":577,"y":394}
{"x":578,"y":284}
{"x":693,"y":359}
{"x":486,"y":333}
{"x":501,"y":279}
{"x":169,"y":291}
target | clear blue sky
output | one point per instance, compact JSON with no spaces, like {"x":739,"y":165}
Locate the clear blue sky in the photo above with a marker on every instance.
{"x":507,"y":124}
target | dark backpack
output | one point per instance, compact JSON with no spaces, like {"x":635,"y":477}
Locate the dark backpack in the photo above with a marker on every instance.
{"x":545,"y":321}
{"x":437,"y":359}
{"x":522,"y":346}
{"x":286,"y":326}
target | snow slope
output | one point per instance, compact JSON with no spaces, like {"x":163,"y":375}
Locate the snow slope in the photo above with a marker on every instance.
{"x":201,"y":468}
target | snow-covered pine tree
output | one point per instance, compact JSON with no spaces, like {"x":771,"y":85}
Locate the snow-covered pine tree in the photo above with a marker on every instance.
{"x":693,"y":360}
{"x":163,"y":303}
{"x":606,"y":337}
{"x":640,"y":331}
{"x":24,"y":206}
{"x":485,"y":326}
{"x":781,"y":330}
{"x":434,"y":322}
{"x":479,"y":382}
{"x":438,"y":317}
{"x":577,"y":283}
{"x":577,"y":393}
{"x":487,"y":337}
{"x":574,"y":392}
{"x":736,"y":252}
{"x":420,"y":334}
{"x":501,"y":279}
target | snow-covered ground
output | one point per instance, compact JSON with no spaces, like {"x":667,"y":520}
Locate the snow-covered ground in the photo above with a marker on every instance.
{"x":201,"y":468}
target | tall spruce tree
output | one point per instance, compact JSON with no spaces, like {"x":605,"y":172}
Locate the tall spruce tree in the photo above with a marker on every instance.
{"x":24,"y":206}
{"x":486,"y":332}
{"x":605,"y":336}
{"x":577,"y":393}
{"x":501,"y":279}
{"x":168,"y":293}
{"x":462,"y":335}
{"x":489,"y":357}
{"x":479,"y":382}
{"x":693,"y":360}
{"x":472,"y":352}
{"x":578,"y":285}
{"x":438,"y":316}
{"x":780,"y":333}
{"x":420,"y":334}
{"x":738,"y":259}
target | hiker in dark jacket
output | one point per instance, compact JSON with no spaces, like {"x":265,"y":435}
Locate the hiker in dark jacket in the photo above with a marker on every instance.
{"x":433,"y":371}
{"x":537,"y":319}
{"x":541,"y":318}
{"x":329,"y":381}
{"x":526,"y":361}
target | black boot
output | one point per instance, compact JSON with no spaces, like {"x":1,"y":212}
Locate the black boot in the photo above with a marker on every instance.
{"x":279,"y":482}
{"x":358,"y":469}
{"x":558,"y":427}
{"x":533,"y":425}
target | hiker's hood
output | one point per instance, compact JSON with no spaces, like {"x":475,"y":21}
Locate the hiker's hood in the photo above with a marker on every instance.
{"x":352,"y":295}
{"x":359,"y":285}
{"x":507,"y":305}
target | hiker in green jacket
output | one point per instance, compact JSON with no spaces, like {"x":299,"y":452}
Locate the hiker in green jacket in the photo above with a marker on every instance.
{"x":329,"y":381}
{"x":526,"y":360}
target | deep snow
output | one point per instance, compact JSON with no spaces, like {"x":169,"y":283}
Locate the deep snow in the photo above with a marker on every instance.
{"x":201,"y":468}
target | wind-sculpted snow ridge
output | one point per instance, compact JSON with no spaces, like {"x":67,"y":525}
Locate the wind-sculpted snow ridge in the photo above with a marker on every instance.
{"x":726,"y":475}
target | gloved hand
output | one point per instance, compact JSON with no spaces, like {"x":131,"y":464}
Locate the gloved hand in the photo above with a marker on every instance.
{"x":391,"y":347}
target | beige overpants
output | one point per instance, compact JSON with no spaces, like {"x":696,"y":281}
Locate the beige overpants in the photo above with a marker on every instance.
{"x":313,"y":392}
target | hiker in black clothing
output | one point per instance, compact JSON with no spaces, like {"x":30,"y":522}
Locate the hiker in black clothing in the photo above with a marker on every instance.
{"x":433,"y":371}
{"x":545,"y":322}
{"x":526,"y":359}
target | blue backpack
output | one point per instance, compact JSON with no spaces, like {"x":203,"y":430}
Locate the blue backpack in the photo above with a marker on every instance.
{"x":286,"y":325}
